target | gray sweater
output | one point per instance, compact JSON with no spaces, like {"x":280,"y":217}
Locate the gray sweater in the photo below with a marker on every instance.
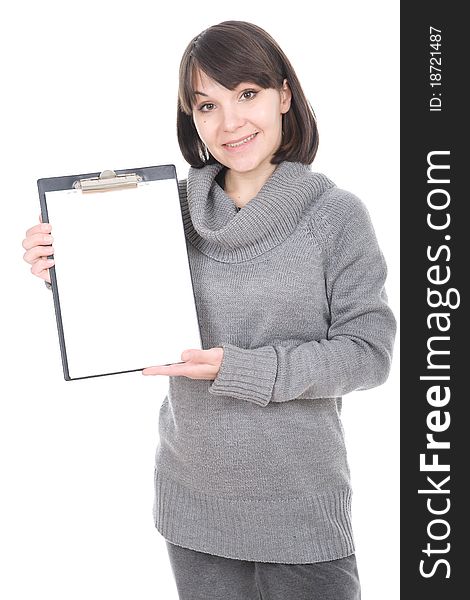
{"x":253,"y":465}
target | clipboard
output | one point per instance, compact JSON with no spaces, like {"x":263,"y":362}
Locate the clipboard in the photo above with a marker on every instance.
{"x":121,"y":282}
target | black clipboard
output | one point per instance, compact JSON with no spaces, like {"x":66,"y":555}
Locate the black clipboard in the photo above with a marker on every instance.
{"x":121,"y":282}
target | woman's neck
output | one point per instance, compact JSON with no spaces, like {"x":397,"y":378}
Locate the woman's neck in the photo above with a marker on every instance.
{"x":242,"y":187}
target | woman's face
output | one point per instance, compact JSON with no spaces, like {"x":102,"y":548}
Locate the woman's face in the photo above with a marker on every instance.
{"x":241,"y":128}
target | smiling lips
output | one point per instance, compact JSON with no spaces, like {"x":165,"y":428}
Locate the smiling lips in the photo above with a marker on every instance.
{"x":241,"y":142}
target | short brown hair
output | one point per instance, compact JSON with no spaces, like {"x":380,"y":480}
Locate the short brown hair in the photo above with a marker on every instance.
{"x":236,"y":51}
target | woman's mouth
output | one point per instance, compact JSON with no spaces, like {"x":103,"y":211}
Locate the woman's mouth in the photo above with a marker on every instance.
{"x":241,"y":143}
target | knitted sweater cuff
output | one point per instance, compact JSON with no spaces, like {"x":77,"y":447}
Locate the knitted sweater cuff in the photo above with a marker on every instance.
{"x":246,"y":374}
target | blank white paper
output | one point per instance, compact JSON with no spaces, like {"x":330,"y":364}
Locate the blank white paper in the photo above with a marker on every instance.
{"x":123,"y":278}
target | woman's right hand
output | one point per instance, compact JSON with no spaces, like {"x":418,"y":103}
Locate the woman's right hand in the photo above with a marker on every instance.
{"x":38,"y":246}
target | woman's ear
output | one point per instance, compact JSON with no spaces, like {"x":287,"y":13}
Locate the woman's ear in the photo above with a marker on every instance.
{"x":286,"y":97}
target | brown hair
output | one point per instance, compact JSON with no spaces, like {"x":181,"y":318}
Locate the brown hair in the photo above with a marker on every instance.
{"x":236,"y":51}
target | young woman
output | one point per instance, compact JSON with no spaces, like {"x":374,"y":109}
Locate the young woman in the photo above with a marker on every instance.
{"x":252,"y":481}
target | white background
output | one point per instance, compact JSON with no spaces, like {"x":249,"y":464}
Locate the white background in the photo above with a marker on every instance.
{"x":93,"y":85}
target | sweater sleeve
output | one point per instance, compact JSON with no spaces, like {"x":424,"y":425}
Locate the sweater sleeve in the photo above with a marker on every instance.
{"x":357,"y":352}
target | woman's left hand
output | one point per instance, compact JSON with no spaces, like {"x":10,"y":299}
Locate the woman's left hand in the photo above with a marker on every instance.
{"x":198,"y":364}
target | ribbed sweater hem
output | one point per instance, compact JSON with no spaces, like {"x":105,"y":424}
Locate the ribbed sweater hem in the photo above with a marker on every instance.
{"x":303,"y":530}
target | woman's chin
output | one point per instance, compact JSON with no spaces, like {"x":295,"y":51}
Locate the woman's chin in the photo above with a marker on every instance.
{"x":242,"y":164}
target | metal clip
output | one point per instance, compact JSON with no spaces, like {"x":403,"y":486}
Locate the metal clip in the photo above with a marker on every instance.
{"x":108,"y":180}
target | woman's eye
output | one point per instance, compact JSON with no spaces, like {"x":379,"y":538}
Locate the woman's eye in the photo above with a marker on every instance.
{"x":206,"y":107}
{"x":249,"y":94}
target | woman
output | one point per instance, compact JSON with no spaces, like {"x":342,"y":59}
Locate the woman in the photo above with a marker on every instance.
{"x":252,"y":482}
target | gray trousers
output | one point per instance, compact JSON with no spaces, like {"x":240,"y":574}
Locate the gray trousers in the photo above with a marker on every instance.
{"x":201,"y":576}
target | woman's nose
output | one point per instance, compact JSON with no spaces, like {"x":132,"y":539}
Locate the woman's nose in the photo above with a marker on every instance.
{"x":233,"y":118}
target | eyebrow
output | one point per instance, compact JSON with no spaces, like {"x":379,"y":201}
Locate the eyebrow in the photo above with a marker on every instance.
{"x":240,"y":85}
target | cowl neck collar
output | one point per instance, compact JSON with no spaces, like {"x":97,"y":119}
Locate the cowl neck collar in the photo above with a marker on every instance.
{"x":213,"y":224}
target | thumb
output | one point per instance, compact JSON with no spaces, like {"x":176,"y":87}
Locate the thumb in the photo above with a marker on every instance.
{"x":186,"y":355}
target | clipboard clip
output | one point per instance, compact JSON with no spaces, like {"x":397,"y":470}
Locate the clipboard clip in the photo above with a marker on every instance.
{"x":107,"y":180}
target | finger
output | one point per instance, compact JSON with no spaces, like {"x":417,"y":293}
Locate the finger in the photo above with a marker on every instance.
{"x":41,"y":268}
{"x":176,"y":369}
{"x":39,"y":228}
{"x":215,"y":355}
{"x":37,"y":239}
{"x":41,"y":264}
{"x":197,"y":355}
{"x":38,"y":252}
{"x":212,"y":356}
{"x":45,"y":275}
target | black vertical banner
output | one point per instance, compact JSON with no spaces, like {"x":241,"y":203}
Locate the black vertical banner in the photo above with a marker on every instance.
{"x":435,"y":242}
